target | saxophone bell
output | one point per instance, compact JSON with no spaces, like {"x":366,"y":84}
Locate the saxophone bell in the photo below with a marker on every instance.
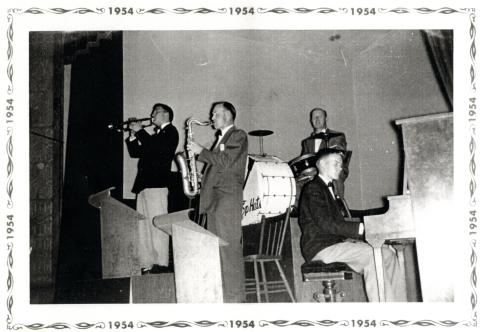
{"x":187,"y":163}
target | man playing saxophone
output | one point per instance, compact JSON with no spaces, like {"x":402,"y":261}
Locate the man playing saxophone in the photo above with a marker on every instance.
{"x":155,"y":153}
{"x":222,"y":193}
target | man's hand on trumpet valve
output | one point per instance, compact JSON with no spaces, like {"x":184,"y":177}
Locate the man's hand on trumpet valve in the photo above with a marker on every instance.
{"x":135,"y":126}
{"x":194,"y":147}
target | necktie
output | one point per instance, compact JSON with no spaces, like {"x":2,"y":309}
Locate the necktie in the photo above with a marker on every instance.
{"x":331,"y":189}
{"x":337,"y":199}
{"x":218,"y":135}
{"x":342,"y":205}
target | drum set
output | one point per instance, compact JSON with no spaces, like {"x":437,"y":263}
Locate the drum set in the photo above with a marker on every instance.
{"x":269,"y":187}
{"x":303,"y":167}
{"x":271,"y":184}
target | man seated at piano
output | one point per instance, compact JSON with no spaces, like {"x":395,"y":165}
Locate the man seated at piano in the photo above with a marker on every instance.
{"x":328,"y":237}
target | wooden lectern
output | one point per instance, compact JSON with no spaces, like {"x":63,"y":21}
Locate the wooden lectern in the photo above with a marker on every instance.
{"x":196,"y":258}
{"x":118,"y":232}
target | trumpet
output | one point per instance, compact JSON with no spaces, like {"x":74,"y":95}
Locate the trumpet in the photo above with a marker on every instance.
{"x":190,"y":176}
{"x":123,"y":126}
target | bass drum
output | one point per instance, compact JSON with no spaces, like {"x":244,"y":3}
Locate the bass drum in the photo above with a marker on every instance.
{"x":269,"y":188}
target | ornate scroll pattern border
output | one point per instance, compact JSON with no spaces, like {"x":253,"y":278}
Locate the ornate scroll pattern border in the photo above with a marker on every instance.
{"x":181,"y":324}
{"x":304,"y":323}
{"x":472,"y":170}
{"x":262,"y":323}
{"x":35,"y":10}
{"x":424,"y":323}
{"x":9,"y":283}
{"x":181,"y":11}
{"x":301,"y":10}
{"x":9,"y":186}
{"x":9,"y":149}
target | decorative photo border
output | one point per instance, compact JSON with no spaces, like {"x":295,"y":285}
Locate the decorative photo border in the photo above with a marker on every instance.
{"x":9,"y":116}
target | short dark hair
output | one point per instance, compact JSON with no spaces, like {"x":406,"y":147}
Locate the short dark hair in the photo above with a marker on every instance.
{"x":318,"y":109}
{"x":228,"y":106}
{"x":166,"y":108}
{"x":323,"y":153}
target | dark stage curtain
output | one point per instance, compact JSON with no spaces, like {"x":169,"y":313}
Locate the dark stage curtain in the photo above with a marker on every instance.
{"x":94,"y":158}
{"x":439,"y":44}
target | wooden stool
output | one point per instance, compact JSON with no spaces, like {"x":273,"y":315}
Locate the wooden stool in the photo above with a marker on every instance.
{"x":328,"y":274}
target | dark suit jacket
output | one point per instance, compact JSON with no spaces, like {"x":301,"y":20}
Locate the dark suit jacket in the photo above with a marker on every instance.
{"x":337,"y":142}
{"x":225,"y":170}
{"x":321,"y":220}
{"x":155,"y":153}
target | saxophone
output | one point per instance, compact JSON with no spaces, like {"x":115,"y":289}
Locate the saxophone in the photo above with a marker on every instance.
{"x":189,"y":175}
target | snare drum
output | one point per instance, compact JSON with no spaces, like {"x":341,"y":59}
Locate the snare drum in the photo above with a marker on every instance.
{"x":269,"y":188}
{"x":303,"y":167}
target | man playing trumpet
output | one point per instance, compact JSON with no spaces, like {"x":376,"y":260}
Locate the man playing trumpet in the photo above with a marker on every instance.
{"x":222,"y":193}
{"x":155,"y":155}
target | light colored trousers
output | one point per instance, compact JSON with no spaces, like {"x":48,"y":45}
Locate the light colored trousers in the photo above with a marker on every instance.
{"x":359,"y":256}
{"x":152,"y":243}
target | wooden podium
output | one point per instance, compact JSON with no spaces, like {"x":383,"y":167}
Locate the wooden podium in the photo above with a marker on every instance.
{"x":196,"y":258}
{"x":118,"y":232}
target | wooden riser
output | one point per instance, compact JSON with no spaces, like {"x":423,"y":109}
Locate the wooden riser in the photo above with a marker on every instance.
{"x":154,"y":288}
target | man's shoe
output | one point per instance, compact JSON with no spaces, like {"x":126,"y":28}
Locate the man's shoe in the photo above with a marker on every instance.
{"x":159,"y":269}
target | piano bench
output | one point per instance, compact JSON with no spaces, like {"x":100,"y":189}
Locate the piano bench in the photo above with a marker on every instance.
{"x":327,"y":274}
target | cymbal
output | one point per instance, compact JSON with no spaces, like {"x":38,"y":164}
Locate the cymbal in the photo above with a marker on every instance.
{"x":308,"y":156}
{"x":326,"y":136}
{"x":260,"y":132}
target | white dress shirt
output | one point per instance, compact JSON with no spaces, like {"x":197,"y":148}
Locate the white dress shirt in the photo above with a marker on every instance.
{"x":223,"y":132}
{"x":318,"y":141}
{"x":163,"y":125}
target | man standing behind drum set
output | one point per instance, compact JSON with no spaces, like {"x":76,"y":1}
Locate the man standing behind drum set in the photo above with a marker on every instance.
{"x":322,"y":138}
{"x":222,"y":193}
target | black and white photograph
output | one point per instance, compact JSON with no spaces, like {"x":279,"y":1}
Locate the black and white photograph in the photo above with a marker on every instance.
{"x":239,"y":165}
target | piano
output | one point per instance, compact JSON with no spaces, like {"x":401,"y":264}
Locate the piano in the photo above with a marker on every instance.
{"x":397,"y":224}
{"x":423,"y":213}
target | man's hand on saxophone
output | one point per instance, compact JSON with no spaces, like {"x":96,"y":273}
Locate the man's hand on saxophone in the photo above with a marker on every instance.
{"x":199,"y":177}
{"x":194,"y":147}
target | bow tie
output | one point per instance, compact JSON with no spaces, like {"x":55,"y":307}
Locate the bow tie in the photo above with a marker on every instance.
{"x":330,"y":184}
{"x":320,"y":135}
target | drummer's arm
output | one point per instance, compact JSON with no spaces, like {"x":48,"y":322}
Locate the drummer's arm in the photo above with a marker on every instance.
{"x":304,"y":147}
{"x":344,"y":173}
{"x":233,"y":149}
{"x":341,"y":143}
